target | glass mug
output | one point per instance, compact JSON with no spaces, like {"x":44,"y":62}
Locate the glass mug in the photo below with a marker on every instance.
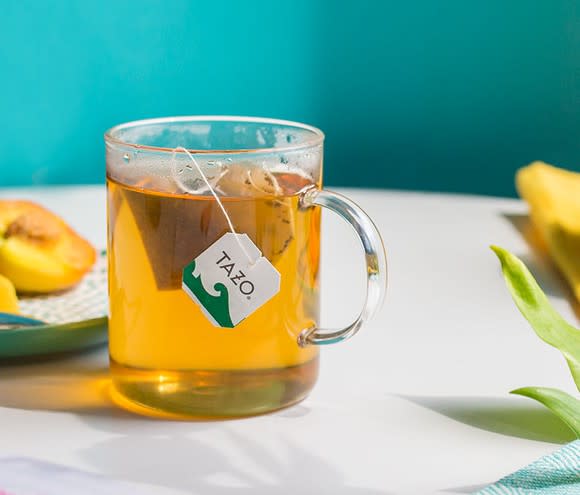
{"x":167,"y":359}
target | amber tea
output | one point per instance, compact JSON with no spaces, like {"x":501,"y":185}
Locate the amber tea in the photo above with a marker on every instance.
{"x":166,"y":356}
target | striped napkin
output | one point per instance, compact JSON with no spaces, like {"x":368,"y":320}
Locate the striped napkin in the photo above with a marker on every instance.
{"x":555,"y":474}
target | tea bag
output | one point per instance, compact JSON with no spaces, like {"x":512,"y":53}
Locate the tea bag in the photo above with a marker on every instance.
{"x":176,"y":228}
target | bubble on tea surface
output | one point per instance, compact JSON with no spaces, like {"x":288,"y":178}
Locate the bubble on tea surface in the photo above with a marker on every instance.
{"x":188,"y":180}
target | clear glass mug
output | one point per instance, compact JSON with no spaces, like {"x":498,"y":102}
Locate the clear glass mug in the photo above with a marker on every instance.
{"x":167,"y":359}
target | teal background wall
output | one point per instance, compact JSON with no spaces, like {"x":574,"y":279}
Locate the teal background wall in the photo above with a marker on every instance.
{"x":432,"y":95}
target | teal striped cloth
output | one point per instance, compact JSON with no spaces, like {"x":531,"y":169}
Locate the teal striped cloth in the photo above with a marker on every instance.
{"x":555,"y":474}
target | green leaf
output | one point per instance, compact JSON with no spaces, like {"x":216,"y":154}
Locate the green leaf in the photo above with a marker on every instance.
{"x":534,"y":305}
{"x":563,"y":405}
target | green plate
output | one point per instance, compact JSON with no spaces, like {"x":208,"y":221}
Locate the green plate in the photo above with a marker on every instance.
{"x":75,"y":319}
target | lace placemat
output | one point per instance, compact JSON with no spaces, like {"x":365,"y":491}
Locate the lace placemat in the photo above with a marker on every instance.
{"x":85,"y":301}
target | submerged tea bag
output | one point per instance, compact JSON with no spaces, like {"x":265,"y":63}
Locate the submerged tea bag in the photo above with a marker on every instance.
{"x":176,"y":228}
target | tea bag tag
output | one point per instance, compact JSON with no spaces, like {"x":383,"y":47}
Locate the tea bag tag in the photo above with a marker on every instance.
{"x":230,"y":280}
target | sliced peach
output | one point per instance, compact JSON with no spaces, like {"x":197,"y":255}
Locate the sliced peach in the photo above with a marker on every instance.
{"x":553,"y":195}
{"x":39,"y":252}
{"x":8,"y":299}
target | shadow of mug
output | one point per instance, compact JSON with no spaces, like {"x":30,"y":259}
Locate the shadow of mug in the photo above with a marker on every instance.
{"x":171,"y":454}
{"x":69,"y":383}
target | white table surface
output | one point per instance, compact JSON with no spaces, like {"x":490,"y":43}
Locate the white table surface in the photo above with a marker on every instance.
{"x":416,"y":403}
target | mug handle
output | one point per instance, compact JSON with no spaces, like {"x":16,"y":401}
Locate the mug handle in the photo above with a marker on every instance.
{"x":375,"y":259}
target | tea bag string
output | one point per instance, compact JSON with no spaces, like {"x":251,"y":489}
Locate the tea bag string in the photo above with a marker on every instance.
{"x":214,"y":194}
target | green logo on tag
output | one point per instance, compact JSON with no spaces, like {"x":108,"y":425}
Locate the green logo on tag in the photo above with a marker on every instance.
{"x":216,"y":306}
{"x":230,"y":280}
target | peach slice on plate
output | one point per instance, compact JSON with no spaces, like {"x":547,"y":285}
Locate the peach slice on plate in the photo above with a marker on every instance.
{"x":8,"y":298}
{"x":39,"y":252}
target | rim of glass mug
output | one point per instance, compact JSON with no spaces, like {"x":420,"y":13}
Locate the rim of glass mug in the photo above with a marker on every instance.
{"x":317,"y":136}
